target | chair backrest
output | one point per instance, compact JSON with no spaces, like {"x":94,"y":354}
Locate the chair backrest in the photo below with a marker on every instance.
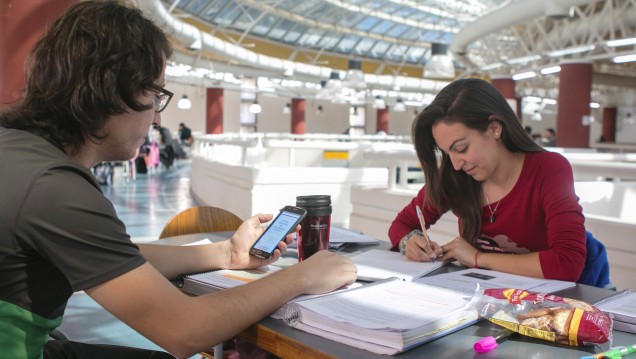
{"x":201,"y":219}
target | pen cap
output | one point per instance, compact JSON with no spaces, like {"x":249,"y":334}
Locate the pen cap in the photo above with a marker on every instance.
{"x":485,"y":345}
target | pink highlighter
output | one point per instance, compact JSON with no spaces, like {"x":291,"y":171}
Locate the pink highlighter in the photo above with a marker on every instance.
{"x":489,"y":343}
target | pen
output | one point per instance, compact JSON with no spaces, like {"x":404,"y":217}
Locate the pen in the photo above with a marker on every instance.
{"x":420,"y":216}
{"x":489,"y":343}
{"x":614,"y":353}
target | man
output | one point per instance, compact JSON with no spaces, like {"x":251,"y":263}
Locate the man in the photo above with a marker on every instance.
{"x":185,"y":134}
{"x":95,"y":85}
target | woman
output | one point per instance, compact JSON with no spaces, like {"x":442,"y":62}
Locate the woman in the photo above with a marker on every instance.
{"x":517,"y":209}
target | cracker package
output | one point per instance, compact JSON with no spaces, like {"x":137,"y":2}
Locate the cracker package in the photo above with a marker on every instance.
{"x":546,"y":316}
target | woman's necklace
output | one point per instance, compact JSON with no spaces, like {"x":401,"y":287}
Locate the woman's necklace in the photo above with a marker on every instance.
{"x":492,"y":212}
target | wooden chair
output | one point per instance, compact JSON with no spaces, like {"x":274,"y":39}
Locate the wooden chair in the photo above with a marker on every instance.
{"x":201,"y":219}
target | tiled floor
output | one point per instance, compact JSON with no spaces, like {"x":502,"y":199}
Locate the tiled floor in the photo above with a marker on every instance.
{"x":144,"y":205}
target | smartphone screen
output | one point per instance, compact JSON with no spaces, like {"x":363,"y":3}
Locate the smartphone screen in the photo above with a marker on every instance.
{"x":283,"y":224}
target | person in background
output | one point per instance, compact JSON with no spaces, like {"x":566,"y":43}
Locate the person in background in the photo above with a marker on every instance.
{"x":95,"y":85}
{"x":549,"y":137}
{"x":185,"y":134}
{"x":517,"y":209}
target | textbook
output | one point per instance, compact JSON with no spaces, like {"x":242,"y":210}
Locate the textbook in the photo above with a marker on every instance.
{"x":622,"y":306}
{"x":206,"y":282}
{"x":378,"y":264}
{"x":385,"y":317}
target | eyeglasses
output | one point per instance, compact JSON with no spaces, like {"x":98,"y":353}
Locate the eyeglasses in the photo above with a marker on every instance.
{"x":162,"y":98}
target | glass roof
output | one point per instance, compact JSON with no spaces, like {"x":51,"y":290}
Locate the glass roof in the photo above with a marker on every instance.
{"x":394,"y":30}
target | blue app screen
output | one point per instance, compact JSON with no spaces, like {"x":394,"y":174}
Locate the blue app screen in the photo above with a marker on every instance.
{"x":277,"y":231}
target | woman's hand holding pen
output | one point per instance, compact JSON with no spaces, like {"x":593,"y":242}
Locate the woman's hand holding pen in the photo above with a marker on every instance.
{"x":418,"y":249}
{"x":460,"y":250}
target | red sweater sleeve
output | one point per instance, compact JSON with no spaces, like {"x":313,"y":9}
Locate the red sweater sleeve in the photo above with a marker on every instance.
{"x":565,"y":257}
{"x":406,"y":220}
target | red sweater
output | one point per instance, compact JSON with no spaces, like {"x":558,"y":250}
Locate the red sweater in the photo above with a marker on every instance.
{"x":540,"y":214}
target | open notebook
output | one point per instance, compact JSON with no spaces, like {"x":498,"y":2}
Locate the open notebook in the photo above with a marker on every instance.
{"x":378,"y":264}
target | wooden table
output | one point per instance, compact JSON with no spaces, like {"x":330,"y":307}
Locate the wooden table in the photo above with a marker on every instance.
{"x":278,"y":338}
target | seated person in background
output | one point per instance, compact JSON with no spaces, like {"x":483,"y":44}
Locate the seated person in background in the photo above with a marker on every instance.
{"x":517,"y":209}
{"x":185,"y":134}
{"x":549,"y":137}
{"x":95,"y":85}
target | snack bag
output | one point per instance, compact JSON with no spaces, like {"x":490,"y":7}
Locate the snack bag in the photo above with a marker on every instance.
{"x":546,"y":316}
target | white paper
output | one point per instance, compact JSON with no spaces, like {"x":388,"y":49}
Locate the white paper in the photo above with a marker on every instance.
{"x":341,"y":235}
{"x":466,"y":281}
{"x":226,"y":278}
{"x":396,"y":305}
{"x":377,"y":264}
{"x":622,"y":306}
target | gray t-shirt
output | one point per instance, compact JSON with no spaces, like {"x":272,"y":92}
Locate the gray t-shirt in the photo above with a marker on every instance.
{"x":58,"y":234}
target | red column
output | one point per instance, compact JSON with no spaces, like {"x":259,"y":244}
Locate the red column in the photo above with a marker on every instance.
{"x":22,"y":23}
{"x":298,"y":116}
{"x":382,"y":120}
{"x":214,"y":110}
{"x":575,"y":86}
{"x":506,"y":86}
{"x":609,"y":124}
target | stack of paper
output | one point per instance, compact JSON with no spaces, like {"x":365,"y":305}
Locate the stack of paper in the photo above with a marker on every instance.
{"x":623,"y":307}
{"x":385,"y":317}
{"x":206,"y":282}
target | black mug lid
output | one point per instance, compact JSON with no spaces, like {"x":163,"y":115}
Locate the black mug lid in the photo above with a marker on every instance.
{"x":316,"y":205}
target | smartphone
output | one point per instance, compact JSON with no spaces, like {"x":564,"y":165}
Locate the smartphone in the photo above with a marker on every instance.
{"x":283,"y":224}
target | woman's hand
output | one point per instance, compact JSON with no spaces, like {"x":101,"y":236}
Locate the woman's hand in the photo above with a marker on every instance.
{"x":418,"y":250}
{"x":242,"y":240}
{"x":460,"y":250}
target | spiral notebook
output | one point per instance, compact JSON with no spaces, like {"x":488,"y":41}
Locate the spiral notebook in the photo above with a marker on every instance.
{"x":385,"y":317}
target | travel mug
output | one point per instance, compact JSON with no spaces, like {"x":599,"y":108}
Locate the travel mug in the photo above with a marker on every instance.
{"x":314,"y":232}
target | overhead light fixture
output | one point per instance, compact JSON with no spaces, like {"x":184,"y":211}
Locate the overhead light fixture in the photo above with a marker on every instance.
{"x":520,"y":60}
{"x":624,"y":58}
{"x":621,"y":42}
{"x":184,"y":103}
{"x":440,"y":64}
{"x":354,"y":78}
{"x":571,"y":50}
{"x":550,"y":70}
{"x":496,"y":65}
{"x":379,"y":103}
{"x":255,"y":108}
{"x":595,"y":105}
{"x":399,"y":106}
{"x":287,"y":109}
{"x":524,"y":75}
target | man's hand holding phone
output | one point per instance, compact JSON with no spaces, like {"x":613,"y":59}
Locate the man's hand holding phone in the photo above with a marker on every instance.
{"x":243,"y":239}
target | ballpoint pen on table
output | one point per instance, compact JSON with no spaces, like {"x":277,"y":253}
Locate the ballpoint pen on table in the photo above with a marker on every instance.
{"x":420,"y":216}
{"x":489,"y":343}
{"x":614,"y":353}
